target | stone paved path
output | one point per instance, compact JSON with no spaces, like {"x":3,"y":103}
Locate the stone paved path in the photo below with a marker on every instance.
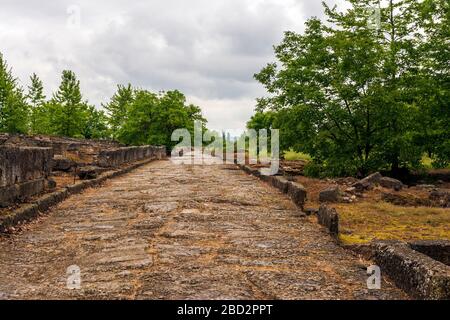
{"x":166,"y":231}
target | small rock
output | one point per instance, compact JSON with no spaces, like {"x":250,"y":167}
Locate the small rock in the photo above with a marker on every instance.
{"x":368,"y":182}
{"x":330,"y":194}
{"x":391,"y":183}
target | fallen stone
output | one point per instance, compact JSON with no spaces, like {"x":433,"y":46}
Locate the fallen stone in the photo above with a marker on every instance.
{"x":368,"y":182}
{"x":330,"y":194}
{"x":391,"y":183}
{"x":329,"y":218}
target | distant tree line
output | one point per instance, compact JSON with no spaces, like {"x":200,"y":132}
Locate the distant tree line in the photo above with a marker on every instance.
{"x":360,"y":96}
{"x":132,"y":116}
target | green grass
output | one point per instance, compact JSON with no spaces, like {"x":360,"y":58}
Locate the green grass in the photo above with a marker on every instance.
{"x":292,"y":155}
{"x":427,"y":162}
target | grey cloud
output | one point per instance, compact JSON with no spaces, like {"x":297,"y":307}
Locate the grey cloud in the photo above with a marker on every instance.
{"x":207,"y":49}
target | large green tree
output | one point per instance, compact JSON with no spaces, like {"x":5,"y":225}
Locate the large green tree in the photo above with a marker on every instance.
{"x":95,"y":123}
{"x":151,"y":118}
{"x":69,"y":106}
{"x":117,"y":108}
{"x":13,"y":106}
{"x":342,"y":89}
{"x":431,"y":90}
{"x":36,"y":100}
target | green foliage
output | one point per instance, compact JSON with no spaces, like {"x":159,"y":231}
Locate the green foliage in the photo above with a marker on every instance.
{"x":13,"y":107}
{"x":359,"y":99}
{"x":432,"y":90}
{"x":151,"y":118}
{"x":43,"y":118}
{"x":133,"y":116}
{"x":36,"y":100}
{"x":261,"y":120}
{"x":118,"y":106}
{"x":291,"y":155}
{"x":95,"y":124}
{"x":69,"y":107}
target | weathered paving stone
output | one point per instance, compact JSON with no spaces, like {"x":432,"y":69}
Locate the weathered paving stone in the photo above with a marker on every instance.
{"x":166,"y":231}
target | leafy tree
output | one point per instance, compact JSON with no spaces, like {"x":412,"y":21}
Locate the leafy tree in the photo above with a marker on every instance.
{"x":13,"y":107}
{"x":340,"y":90}
{"x":35,"y":94}
{"x":95,"y":124}
{"x":117,"y":108}
{"x":151,"y":118}
{"x":137,"y":123}
{"x":36,"y":100}
{"x":44,"y":117}
{"x":431,"y":90}
{"x":69,"y":106}
{"x":261,"y":120}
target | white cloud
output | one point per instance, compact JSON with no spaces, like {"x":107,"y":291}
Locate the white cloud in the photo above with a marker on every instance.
{"x":207,"y":49}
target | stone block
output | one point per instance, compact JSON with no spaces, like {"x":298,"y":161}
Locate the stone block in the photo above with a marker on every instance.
{"x":329,"y":218}
{"x":297,"y":193}
{"x":414,"y":272}
{"x":330,"y":194}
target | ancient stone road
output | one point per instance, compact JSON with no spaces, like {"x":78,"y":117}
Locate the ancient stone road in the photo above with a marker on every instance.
{"x":167,"y":231}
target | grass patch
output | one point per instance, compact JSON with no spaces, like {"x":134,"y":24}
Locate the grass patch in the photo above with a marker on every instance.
{"x":292,"y":155}
{"x":427,"y":162}
{"x":364,"y":222}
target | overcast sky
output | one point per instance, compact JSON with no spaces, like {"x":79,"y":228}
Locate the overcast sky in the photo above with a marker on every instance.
{"x":208,"y":49}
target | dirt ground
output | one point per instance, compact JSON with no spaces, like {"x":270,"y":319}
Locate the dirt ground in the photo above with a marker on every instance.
{"x":371,"y":218}
{"x":167,"y":231}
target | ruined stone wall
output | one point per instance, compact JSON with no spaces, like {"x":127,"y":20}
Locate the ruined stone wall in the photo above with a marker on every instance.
{"x":23,"y":172}
{"x":26,"y":162}
{"x":60,"y":145}
{"x":118,"y":156}
{"x":436,"y":249}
